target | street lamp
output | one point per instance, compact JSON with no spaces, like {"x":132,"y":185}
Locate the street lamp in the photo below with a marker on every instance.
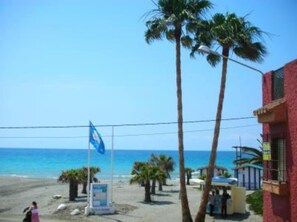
{"x":205,"y":49}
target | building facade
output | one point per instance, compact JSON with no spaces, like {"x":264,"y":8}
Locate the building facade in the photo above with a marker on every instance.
{"x":279,"y":118}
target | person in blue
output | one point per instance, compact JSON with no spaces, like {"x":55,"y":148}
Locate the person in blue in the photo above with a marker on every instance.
{"x":224,"y":199}
{"x":212,"y":203}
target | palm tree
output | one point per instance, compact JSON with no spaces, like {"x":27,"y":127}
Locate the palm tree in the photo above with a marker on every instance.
{"x":231,"y":33}
{"x":166,"y":163}
{"x":188,"y":174}
{"x":252,"y":155}
{"x":137,"y":165}
{"x":143,"y":175}
{"x":84,"y":177}
{"x":157,"y":175}
{"x":75,"y":177}
{"x":72,"y":177}
{"x":168,"y":20}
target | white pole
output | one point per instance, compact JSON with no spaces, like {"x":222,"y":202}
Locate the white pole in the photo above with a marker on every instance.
{"x":111,"y":162}
{"x":240,"y":147}
{"x":88,"y":184}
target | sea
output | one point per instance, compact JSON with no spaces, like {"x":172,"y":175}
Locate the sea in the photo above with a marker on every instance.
{"x":49,"y":163}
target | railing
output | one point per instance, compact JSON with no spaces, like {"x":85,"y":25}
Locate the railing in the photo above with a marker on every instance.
{"x":277,"y":174}
{"x":275,"y":168}
{"x":278,"y":83}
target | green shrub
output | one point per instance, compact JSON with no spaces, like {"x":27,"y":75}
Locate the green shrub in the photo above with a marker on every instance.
{"x":255,"y":200}
{"x":202,"y":177}
{"x":226,"y":174}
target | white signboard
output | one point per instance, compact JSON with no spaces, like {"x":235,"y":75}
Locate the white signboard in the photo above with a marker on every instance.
{"x":100,"y":198}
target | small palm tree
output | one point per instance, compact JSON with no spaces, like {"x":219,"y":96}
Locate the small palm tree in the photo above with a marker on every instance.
{"x":231,"y":33}
{"x":137,"y":166}
{"x":188,"y":174}
{"x":143,"y":175}
{"x":252,"y":155}
{"x":84,"y":177}
{"x":169,"y":20}
{"x":75,"y":177}
{"x":158,"y":175}
{"x":166,"y":163}
{"x":72,"y":177}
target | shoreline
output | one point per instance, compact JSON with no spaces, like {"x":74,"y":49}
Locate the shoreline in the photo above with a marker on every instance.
{"x":18,"y":193}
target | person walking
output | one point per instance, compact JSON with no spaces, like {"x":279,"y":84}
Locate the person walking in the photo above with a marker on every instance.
{"x":34,"y":212}
{"x":224,"y":199}
{"x":212,"y":203}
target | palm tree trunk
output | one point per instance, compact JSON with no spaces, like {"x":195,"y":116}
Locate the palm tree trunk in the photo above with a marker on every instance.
{"x":84,"y":189}
{"x":147,"y":188}
{"x":76,"y":188}
{"x":186,"y":215}
{"x":72,"y":190}
{"x":160,"y":185}
{"x":200,"y":217}
{"x":154,"y":186}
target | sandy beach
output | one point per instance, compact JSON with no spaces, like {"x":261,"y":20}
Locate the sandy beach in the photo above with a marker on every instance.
{"x":18,"y":193}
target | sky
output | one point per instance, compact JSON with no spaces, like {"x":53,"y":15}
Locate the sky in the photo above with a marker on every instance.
{"x":65,"y":62}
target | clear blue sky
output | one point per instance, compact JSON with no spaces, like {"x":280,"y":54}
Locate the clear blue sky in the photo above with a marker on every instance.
{"x":66,"y":62}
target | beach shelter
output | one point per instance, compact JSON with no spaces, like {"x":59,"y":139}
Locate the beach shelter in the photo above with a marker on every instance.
{"x":217,"y":170}
{"x":249,"y":176}
{"x":236,"y":203}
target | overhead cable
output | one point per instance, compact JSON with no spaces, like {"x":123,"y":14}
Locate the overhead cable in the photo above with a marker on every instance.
{"x":123,"y":135}
{"x":120,"y":125}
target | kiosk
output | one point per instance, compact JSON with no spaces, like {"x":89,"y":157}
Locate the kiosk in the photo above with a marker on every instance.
{"x":236,"y":203}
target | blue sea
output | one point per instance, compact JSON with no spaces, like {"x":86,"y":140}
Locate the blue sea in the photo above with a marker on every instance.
{"x":49,"y":163}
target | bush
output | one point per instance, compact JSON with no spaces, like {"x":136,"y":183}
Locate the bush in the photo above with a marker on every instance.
{"x":226,"y":174}
{"x":202,"y":177}
{"x":256,"y":201}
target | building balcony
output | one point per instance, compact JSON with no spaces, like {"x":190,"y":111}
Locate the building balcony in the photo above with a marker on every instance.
{"x":276,"y":187}
{"x":273,"y":113}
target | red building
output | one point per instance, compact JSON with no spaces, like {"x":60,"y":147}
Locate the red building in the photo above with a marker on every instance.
{"x":279,"y":118}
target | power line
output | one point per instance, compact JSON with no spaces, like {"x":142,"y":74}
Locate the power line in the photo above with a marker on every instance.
{"x":123,"y":135}
{"x":121,"y":125}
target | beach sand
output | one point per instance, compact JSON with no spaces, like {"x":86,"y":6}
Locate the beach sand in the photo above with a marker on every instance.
{"x":18,"y":193}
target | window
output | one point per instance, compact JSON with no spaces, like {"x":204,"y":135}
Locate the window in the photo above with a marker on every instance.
{"x":278,"y":158}
{"x":278,"y":84}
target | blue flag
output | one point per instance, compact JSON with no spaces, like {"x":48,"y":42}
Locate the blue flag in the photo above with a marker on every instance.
{"x":96,"y":140}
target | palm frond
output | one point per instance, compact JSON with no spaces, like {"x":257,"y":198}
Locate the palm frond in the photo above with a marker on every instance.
{"x":236,"y":33}
{"x":213,"y":59}
{"x":186,"y":41}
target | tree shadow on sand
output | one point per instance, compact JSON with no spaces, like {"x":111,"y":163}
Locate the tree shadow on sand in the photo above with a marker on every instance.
{"x":159,"y":202}
{"x":161,"y":194}
{"x":170,"y":191}
{"x":233,"y":217}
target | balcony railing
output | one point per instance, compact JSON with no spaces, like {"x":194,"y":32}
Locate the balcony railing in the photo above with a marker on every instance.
{"x":275,"y":167}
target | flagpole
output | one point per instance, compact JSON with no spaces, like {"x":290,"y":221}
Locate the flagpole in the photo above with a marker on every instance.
{"x":111,"y":162}
{"x":89,"y":155}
